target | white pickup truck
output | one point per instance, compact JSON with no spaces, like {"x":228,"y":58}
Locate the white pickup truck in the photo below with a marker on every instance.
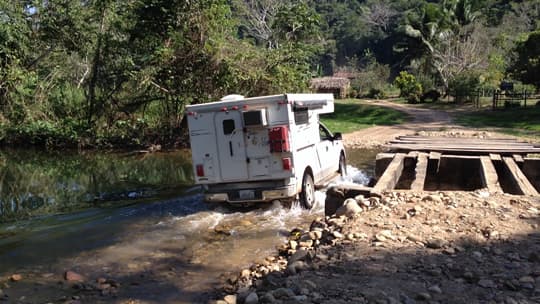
{"x":261,"y":149}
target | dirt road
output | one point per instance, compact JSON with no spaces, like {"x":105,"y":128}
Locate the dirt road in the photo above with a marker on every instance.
{"x":423,"y":120}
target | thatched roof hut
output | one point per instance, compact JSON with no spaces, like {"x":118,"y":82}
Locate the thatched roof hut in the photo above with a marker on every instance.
{"x":338,"y":86}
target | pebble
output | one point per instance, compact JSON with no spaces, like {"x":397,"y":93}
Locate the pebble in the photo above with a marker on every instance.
{"x":423,"y":296}
{"x":283,"y":293}
{"x":268,"y":298}
{"x":435,"y":243}
{"x":337,"y":234}
{"x":72,"y":276}
{"x":252,"y":298}
{"x":487,"y":283}
{"x":15,"y":277}
{"x":435,"y":289}
{"x":527,"y":280}
{"x":230,"y":299}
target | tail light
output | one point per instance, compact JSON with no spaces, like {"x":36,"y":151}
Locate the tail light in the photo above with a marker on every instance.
{"x":279,"y":139}
{"x":200,"y":170}
{"x":287,"y":163}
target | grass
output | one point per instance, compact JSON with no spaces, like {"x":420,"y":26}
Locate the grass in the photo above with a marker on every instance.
{"x":352,"y":114}
{"x":516,"y":121}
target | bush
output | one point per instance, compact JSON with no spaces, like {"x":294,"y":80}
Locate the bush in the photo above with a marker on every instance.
{"x":376,"y":93}
{"x":409,"y":87}
{"x":464,"y":86}
{"x":432,"y":95}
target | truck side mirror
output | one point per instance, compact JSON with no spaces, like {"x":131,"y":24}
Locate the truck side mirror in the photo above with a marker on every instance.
{"x":337,"y":136}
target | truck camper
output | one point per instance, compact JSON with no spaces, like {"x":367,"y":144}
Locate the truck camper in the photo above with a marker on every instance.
{"x":261,"y":149}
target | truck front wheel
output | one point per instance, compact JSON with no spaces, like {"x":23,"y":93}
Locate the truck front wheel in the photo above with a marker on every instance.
{"x":342,"y":165}
{"x":307,"y":196}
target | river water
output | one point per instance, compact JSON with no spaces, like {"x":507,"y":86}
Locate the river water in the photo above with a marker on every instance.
{"x":136,"y":218}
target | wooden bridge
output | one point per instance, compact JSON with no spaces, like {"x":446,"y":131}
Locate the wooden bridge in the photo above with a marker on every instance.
{"x":439,"y":163}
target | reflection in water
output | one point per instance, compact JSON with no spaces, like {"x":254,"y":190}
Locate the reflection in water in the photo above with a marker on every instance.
{"x":36,"y":183}
{"x":363,"y":159}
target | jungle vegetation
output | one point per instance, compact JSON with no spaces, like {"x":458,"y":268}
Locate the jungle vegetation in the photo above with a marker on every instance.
{"x":99,"y":73}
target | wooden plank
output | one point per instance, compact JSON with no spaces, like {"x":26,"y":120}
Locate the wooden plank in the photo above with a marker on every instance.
{"x":435,"y":155}
{"x":489,"y":175}
{"x":465,"y":149}
{"x":519,"y":178}
{"x":391,"y":175}
{"x":479,"y":142}
{"x":413,"y":154}
{"x":421,"y":172}
{"x":518,"y":159}
{"x":431,"y":138}
{"x":495,"y":157}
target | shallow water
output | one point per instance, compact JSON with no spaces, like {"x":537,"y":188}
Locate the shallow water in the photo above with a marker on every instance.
{"x":161,"y":249}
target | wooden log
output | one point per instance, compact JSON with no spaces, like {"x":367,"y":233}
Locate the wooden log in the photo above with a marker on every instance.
{"x":391,"y":175}
{"x":421,"y":172}
{"x":489,"y":175}
{"x":519,"y":178}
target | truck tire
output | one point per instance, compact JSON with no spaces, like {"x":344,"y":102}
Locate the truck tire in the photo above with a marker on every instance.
{"x":307,"y":196}
{"x":342,"y":165}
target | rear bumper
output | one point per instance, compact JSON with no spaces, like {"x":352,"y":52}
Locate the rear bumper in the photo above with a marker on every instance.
{"x":250,"y":193}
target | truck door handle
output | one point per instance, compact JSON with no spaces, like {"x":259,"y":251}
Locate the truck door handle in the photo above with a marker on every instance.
{"x":230,"y":148}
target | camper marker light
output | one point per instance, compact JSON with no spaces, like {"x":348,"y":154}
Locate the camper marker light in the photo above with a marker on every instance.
{"x":287,"y":163}
{"x":192,"y":113}
{"x":235,"y":108}
{"x":200,"y":170}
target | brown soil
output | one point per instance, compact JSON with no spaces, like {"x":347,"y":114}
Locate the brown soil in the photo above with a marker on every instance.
{"x":452,"y":247}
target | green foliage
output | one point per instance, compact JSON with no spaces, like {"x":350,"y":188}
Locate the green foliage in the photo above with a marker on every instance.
{"x":527,"y":64}
{"x":408,"y":86}
{"x":89,"y":72}
{"x":464,"y":87}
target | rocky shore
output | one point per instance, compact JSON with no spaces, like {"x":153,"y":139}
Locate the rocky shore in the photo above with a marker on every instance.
{"x":403,"y":247}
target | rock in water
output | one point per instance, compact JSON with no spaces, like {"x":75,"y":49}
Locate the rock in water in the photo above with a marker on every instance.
{"x":334,"y":200}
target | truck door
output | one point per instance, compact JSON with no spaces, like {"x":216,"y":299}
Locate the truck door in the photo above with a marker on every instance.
{"x":231,"y":146}
{"x":326,"y":151}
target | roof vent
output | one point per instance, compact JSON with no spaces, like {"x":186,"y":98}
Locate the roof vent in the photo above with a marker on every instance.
{"x":232,"y":97}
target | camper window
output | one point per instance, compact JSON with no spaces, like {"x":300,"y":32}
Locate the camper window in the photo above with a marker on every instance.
{"x":301,"y":116}
{"x":228,"y":126}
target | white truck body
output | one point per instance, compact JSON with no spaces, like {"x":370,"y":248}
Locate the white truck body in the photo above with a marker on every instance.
{"x":248,"y":150}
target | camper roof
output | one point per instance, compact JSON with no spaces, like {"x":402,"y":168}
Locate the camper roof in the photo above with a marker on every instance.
{"x":310,"y":101}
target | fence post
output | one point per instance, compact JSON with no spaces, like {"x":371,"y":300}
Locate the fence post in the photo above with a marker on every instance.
{"x":525,"y":99}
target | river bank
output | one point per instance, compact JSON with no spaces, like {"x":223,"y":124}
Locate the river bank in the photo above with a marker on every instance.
{"x":430,"y":247}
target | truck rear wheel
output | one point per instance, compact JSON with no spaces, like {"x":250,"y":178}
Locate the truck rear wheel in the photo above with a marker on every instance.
{"x":307,"y":196}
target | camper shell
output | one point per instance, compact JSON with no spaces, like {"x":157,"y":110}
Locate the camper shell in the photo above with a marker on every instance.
{"x":260,"y":149}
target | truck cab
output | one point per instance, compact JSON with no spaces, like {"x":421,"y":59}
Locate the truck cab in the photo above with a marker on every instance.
{"x":261,"y":149}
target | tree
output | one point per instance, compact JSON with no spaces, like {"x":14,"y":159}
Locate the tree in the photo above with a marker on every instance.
{"x":527,"y":64}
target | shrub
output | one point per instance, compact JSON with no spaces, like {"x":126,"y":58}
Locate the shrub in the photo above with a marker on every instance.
{"x":464,"y":86}
{"x":432,"y":95}
{"x":409,"y":87}
{"x":376,"y":93}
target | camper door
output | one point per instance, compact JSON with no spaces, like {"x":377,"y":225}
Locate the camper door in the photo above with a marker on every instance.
{"x":231,"y":146}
